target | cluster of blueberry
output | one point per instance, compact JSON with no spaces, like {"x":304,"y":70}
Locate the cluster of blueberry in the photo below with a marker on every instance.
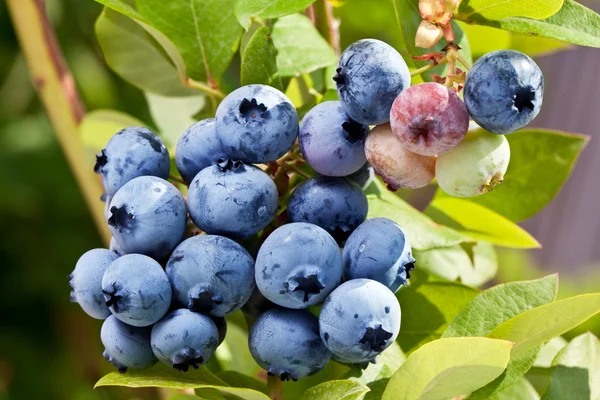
{"x":164,"y":292}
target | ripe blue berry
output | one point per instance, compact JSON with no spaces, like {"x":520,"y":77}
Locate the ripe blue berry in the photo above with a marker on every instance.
{"x":364,"y":176}
{"x":126,"y":346}
{"x":232,"y":199}
{"x":211,"y":274}
{"x":370,"y":75}
{"x":115,"y":248}
{"x":332,"y":143}
{"x":359,"y":320}
{"x":286,"y":343}
{"x":298,"y":265}
{"x":130,"y":153}
{"x":184,"y":339}
{"x":198,"y":148}
{"x":378,"y":249}
{"x":256,"y":124}
{"x":137,"y":290}
{"x":148,"y":216}
{"x":504,"y":90}
{"x":86,"y":282}
{"x":334,"y":204}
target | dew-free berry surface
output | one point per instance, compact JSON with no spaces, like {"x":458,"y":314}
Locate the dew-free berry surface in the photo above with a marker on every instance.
{"x":211,"y":274}
{"x":126,"y":346}
{"x":504,"y":91}
{"x":298,"y":265}
{"x":369,"y":77}
{"x":131,"y":152}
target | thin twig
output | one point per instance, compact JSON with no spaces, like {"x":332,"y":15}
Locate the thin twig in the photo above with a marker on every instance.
{"x":57,"y":90}
{"x":298,"y":171}
{"x":274,"y":388}
{"x":189,"y":82}
{"x":328,"y":25}
{"x":427,"y":67}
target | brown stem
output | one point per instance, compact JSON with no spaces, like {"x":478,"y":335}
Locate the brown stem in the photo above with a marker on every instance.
{"x":310,"y":13}
{"x":56,"y":88}
{"x":328,"y":25}
{"x":274,"y":388}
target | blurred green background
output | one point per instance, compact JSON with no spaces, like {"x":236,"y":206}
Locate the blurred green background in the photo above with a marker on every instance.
{"x":48,"y":348}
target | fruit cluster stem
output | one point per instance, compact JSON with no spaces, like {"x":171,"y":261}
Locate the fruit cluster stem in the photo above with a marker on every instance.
{"x":327,"y":24}
{"x":274,"y":388}
{"x":56,"y":88}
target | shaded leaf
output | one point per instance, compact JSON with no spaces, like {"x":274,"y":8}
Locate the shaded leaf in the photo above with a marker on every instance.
{"x":521,"y":390}
{"x":339,"y":389}
{"x":446,"y":368}
{"x":246,"y":9}
{"x":173,"y":115}
{"x":258,"y":60}
{"x":300,"y":47}
{"x":237,"y":379}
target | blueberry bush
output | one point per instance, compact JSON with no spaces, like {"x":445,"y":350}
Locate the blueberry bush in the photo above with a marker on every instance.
{"x":260,"y":247}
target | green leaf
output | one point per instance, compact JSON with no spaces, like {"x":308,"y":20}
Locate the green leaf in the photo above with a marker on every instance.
{"x":246,"y":9}
{"x":258,"y":60}
{"x":423,"y":233}
{"x":132,"y":54}
{"x":473,"y":263}
{"x":234,"y":355}
{"x":300,"y":47}
{"x":495,"y":10}
{"x":408,"y":19}
{"x":549,"y":351}
{"x":427,"y":309}
{"x":98,"y":127}
{"x":506,"y":300}
{"x":575,"y":372}
{"x":237,"y":379}
{"x":482,"y":223}
{"x":540,"y":163}
{"x":340,"y":389}
{"x":162,"y":376}
{"x":332,"y":371}
{"x":173,"y":115}
{"x":573,"y":23}
{"x":205,"y":32}
{"x":446,"y":368}
{"x":521,"y":390}
{"x":536,"y":326}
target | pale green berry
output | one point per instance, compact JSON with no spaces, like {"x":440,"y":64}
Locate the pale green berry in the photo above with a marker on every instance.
{"x":475,"y":166}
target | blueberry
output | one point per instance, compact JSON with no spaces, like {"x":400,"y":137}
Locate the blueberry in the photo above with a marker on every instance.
{"x":378,"y":249}
{"x":211,"y":274}
{"x":256,"y":305}
{"x":298,"y":265}
{"x":364,"y":176}
{"x":115,"y":248}
{"x":221,"y":324}
{"x":130,"y":153}
{"x":332,"y":143}
{"x":137,"y":290}
{"x":504,"y":90}
{"x":232,"y":199}
{"x":334,"y":204}
{"x":256,"y":124}
{"x":198,"y":148}
{"x":126,"y":346}
{"x":370,"y":75}
{"x":148,"y":216}
{"x":86,"y":282}
{"x":286,"y":343}
{"x":184,"y":339}
{"x":359,"y":320}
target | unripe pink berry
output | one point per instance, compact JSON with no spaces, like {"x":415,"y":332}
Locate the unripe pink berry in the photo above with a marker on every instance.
{"x":429,"y":119}
{"x":397,"y":166}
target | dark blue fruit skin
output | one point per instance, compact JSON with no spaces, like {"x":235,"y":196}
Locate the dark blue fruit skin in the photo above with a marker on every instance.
{"x":86,"y":282}
{"x":298,"y":265}
{"x":256,"y":124}
{"x":211,"y":274}
{"x":334,"y":204}
{"x":378,"y":249}
{"x":198,"y":148}
{"x":131,"y":152}
{"x":137,"y":290}
{"x":359,"y":320}
{"x":147,"y":216}
{"x":370,"y":75}
{"x":363,"y":177}
{"x":126,"y":346}
{"x":232,"y":199}
{"x":286,"y":343}
{"x":503,"y":91}
{"x":184,"y":339}
{"x":331,"y":142}
{"x":115,"y":248}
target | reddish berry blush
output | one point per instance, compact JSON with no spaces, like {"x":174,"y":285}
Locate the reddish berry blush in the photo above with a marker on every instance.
{"x":429,"y":119}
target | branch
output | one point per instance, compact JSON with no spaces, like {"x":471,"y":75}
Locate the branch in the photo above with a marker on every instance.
{"x":274,"y":388}
{"x":56,"y":88}
{"x":328,"y":25}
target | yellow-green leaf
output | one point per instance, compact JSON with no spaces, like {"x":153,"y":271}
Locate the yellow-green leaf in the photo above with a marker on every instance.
{"x":339,"y":389}
{"x":494,"y":10}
